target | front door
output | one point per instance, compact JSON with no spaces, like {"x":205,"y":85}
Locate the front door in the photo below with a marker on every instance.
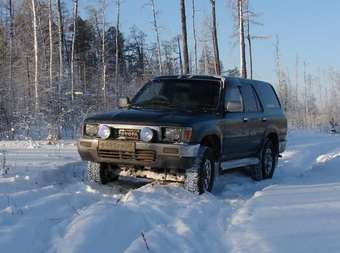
{"x":235,"y":131}
{"x":253,"y":112}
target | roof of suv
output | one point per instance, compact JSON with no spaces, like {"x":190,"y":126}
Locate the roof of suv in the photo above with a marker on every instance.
{"x":205,"y":77}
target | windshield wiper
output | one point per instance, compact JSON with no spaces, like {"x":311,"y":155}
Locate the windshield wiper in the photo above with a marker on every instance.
{"x":159,"y":102}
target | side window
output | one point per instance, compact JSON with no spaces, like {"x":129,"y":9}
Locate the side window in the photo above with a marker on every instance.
{"x":268,"y":96}
{"x":250,"y":100}
{"x":233,"y":97}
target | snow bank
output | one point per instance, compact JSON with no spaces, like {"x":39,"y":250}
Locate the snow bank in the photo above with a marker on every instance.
{"x":46,"y":206}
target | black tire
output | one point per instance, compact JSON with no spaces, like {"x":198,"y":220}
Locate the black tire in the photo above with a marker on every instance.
{"x":201,"y":177}
{"x":101,"y":173}
{"x":268,"y":161}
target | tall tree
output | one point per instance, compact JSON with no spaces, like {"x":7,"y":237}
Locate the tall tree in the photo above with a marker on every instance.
{"x":250,"y":19}
{"x":249,"y":38}
{"x":61,"y":46}
{"x":103,"y":52}
{"x":50,"y":33}
{"x":156,"y":28}
{"x":241,"y":15}
{"x":75,"y":18}
{"x":11,"y":38}
{"x":36,"y":70}
{"x":194,"y":35}
{"x":180,"y":55}
{"x":215,"y":39}
{"x":117,"y":49}
{"x":184,"y":38}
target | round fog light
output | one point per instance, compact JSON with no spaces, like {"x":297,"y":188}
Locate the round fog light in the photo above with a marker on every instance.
{"x":146,"y":134}
{"x":104,"y":132}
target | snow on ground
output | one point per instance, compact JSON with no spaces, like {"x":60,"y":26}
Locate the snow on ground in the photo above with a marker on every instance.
{"x":46,"y":205}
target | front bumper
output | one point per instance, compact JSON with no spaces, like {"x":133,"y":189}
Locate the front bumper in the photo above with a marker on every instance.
{"x":166,"y":156}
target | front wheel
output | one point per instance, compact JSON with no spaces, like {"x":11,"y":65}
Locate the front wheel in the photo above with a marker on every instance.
{"x":101,"y":173}
{"x":200,"y":178}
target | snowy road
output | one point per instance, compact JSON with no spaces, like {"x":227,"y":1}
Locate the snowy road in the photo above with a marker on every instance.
{"x":46,"y":207}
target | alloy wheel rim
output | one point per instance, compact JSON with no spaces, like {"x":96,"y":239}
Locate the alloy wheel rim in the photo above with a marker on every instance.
{"x":268,"y":161}
{"x":207,"y":174}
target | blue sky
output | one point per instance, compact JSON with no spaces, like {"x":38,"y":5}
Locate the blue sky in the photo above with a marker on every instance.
{"x":307,"y":28}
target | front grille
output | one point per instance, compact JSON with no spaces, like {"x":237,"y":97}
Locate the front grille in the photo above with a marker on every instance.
{"x":140,"y":155}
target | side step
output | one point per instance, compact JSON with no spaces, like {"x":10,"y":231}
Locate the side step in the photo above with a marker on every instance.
{"x":239,"y":163}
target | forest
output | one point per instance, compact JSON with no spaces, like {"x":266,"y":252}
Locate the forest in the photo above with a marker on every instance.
{"x":59,"y":64}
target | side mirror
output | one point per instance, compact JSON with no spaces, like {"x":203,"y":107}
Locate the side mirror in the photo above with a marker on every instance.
{"x":234,"y":106}
{"x":123,"y":102}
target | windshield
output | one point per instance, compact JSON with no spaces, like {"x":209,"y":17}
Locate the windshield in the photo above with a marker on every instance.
{"x":183,"y":94}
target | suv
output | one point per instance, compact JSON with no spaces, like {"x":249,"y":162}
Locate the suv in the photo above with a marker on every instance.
{"x":187,"y":129}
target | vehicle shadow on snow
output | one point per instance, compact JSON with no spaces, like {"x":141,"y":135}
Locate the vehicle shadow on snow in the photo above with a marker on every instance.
{"x":125,"y":184}
{"x":63,"y":175}
{"x":232,"y":184}
{"x":76,"y":172}
{"x":237,"y":184}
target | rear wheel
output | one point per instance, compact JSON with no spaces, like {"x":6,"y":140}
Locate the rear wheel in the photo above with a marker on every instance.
{"x":101,"y":173}
{"x":201,"y":177}
{"x":268,"y":161}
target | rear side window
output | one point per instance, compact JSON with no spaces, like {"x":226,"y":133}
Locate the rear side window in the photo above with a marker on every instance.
{"x":250,"y":99}
{"x":233,"y":100}
{"x":233,"y":95}
{"x":268,"y":96}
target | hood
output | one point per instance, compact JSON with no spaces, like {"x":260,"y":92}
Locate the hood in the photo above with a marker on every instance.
{"x":150,"y":117}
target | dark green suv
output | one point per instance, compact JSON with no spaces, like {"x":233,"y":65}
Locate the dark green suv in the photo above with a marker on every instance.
{"x":187,"y":129}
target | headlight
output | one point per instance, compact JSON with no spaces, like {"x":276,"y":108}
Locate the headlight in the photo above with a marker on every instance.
{"x":146,"y":134}
{"x":91,"y":130}
{"x":177,"y":134}
{"x":104,"y":132}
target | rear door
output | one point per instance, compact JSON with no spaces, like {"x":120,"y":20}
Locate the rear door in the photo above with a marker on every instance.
{"x":273,"y":116}
{"x":253,"y":117}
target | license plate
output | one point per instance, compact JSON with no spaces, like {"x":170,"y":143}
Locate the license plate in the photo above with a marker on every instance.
{"x":127,"y":146}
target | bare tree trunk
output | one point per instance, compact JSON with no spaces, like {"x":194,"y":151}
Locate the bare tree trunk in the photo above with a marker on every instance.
{"x":194,"y":35}
{"x":41,"y":35}
{"x":215,"y":40}
{"x":75,"y":15}
{"x":249,"y":38}
{"x":103,"y":56}
{"x":296,"y":89}
{"x":36,"y":78}
{"x":184,"y":38}
{"x":50,"y":32}
{"x":85,"y":79}
{"x":11,"y":36}
{"x":243,"y":65}
{"x":305,"y":94}
{"x":61,"y":47}
{"x":206,"y":62}
{"x":278,"y":60}
{"x":180,"y":55}
{"x":117,"y":50}
{"x":159,"y":53}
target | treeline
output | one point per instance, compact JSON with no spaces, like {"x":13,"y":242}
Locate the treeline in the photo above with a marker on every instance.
{"x":310,"y":99}
{"x":56,"y":67}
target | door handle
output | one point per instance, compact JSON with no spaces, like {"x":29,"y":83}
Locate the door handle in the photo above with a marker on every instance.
{"x":245,"y":119}
{"x":264,"y":119}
